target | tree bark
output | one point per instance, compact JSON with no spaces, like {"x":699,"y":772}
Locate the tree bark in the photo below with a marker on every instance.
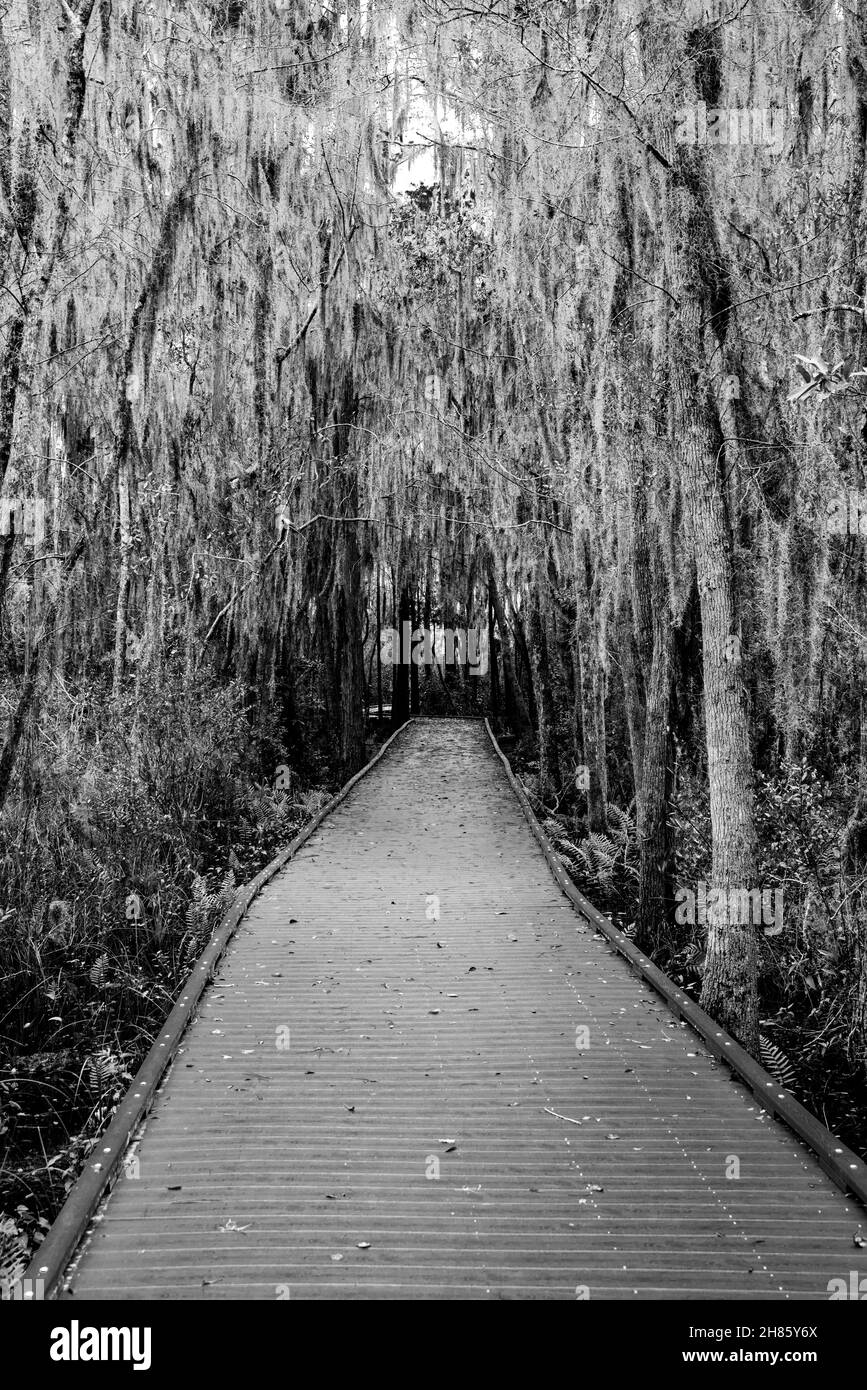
{"x":492,"y":663}
{"x":549,"y":763}
{"x":400,"y":672}
{"x":729,"y":991}
{"x":522,"y":650}
{"x":413,"y":668}
{"x":655,"y":897}
{"x":378,"y":643}
{"x":590,"y":695}
{"x":516,"y":709}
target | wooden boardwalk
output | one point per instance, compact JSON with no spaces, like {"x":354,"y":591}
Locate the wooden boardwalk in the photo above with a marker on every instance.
{"x":363,"y":1108}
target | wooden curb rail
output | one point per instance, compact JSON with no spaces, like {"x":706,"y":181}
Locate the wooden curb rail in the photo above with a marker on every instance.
{"x":843,"y":1166}
{"x":50,"y":1261}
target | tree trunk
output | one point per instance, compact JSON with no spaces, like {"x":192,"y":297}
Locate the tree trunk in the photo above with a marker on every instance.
{"x":633,"y":695}
{"x":347,"y":601}
{"x":516,"y":709}
{"x":854,"y":857}
{"x":400,"y":672}
{"x":655,"y":897}
{"x":523,"y":651}
{"x":413,"y":667}
{"x":729,"y":991}
{"x":549,"y":763}
{"x":492,"y":663}
{"x":590,"y":693}
{"x":378,"y":643}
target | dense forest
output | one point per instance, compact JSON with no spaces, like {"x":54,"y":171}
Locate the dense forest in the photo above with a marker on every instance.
{"x":326,"y":325}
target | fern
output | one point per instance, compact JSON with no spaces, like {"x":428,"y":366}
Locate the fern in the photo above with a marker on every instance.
{"x":555,"y":832}
{"x":100,"y":1069}
{"x":99,"y":972}
{"x":621,"y":825}
{"x":777,"y":1063}
{"x":207,"y":908}
{"x":599,"y":854}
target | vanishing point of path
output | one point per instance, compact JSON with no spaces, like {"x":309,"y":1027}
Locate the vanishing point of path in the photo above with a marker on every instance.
{"x":363,"y":1107}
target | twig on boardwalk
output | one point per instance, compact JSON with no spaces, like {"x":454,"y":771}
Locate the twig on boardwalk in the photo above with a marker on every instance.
{"x":549,"y":1111}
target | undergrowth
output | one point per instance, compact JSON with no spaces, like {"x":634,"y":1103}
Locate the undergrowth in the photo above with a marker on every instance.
{"x":117,"y":859}
{"x":808,"y":974}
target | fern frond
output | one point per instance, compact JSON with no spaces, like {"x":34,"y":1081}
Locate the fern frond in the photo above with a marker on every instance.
{"x":99,"y":971}
{"x":775,"y":1061}
{"x":100,"y":1069}
{"x":621,"y":823}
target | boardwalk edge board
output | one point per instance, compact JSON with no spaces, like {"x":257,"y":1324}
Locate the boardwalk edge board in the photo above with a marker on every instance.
{"x":843,"y":1166}
{"x":51,"y":1260}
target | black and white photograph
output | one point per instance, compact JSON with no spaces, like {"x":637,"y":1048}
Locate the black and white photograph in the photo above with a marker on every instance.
{"x":433,"y":669}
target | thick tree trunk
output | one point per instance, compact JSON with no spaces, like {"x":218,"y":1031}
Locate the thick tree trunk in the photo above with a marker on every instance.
{"x":633,"y":694}
{"x":516,"y":709}
{"x":427,"y":619}
{"x":549,"y":763}
{"x":403,"y":654}
{"x":122,"y":606}
{"x":729,"y":991}
{"x":414,"y":707}
{"x":655,"y":897}
{"x":378,"y":643}
{"x":492,"y":663}
{"x":17,"y":724}
{"x":347,"y":602}
{"x":142,"y":326}
{"x":523,"y":651}
{"x":854,"y":858}
{"x":590,"y":691}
